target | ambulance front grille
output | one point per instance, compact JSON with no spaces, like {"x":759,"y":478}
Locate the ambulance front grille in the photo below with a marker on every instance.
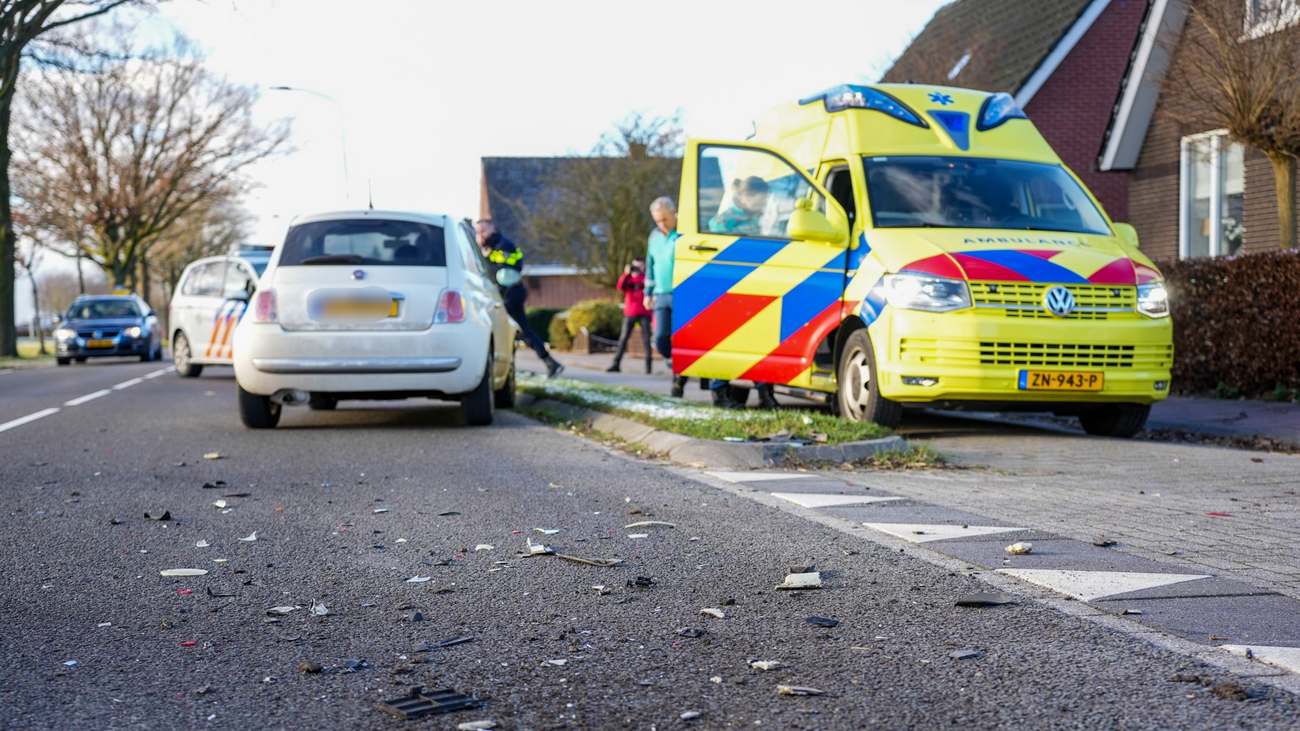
{"x":1024,"y":300}
{"x":962,"y":353}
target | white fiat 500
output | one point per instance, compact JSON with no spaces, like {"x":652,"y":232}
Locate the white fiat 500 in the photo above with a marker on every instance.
{"x":375,"y":305}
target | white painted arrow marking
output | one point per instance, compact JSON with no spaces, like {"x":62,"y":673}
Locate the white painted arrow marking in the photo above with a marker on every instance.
{"x":924,"y":533}
{"x":758,"y":476}
{"x":812,"y":500}
{"x":1287,"y":658}
{"x":1089,"y":585}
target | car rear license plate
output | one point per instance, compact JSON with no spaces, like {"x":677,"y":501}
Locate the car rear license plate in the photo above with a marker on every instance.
{"x":99,"y":343}
{"x":1061,"y":380}
{"x":359,"y":309}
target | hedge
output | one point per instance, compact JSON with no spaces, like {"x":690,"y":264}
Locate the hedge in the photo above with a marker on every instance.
{"x":1237,"y":324}
{"x":539,"y":320}
{"x":557,"y":332}
{"x":600,"y":317}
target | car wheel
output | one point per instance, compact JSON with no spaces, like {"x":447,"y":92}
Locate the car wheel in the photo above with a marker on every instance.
{"x":81,"y":359}
{"x":1115,"y":420}
{"x":258,"y":412}
{"x":858,"y":396}
{"x":181,"y":357}
{"x":505,"y":396}
{"x":322,"y":402}
{"x":63,"y":361}
{"x":478,"y":406}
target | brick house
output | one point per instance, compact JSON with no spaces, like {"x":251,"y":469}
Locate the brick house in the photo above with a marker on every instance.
{"x":1089,"y":73}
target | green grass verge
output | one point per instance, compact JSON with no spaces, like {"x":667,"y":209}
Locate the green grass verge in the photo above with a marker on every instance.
{"x":701,"y":421}
{"x":29,"y":354}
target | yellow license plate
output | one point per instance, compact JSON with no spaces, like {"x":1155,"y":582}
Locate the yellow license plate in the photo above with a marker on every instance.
{"x":360,"y":308}
{"x":100,"y":343}
{"x":1061,"y":380}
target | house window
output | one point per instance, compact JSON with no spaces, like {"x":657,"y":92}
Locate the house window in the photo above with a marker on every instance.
{"x":1269,"y":16}
{"x":1212,"y":186}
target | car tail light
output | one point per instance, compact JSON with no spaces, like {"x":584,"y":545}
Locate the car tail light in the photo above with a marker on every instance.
{"x":451,"y":307}
{"x":264,"y":306}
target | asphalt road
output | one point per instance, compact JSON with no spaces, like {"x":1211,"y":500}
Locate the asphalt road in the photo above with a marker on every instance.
{"x":347,"y":506}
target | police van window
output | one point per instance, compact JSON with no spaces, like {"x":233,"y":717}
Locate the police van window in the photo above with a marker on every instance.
{"x":205,"y":280}
{"x":370,"y":242}
{"x":839,"y":183}
{"x":238,"y":281}
{"x":748,"y":192}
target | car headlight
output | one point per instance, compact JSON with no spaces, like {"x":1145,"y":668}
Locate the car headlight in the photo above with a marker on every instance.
{"x":1153,"y":299}
{"x":133,"y":331}
{"x":64,"y":333}
{"x":925,"y":292}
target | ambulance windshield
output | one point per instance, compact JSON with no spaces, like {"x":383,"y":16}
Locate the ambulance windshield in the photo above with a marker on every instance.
{"x":964,"y":192}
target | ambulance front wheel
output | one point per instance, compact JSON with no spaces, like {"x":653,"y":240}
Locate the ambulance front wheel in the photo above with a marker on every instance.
{"x":858,"y":396}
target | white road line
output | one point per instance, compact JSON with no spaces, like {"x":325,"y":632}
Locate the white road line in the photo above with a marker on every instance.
{"x":1089,"y":585}
{"x":808,"y":500}
{"x":924,"y":533}
{"x":157,"y":373}
{"x":128,"y":384}
{"x":88,"y":397}
{"x":27,"y":419}
{"x":1283,"y":657}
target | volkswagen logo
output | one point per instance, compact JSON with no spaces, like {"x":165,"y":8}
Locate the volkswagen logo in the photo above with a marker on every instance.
{"x":99,"y":334}
{"x":1059,"y":301}
{"x":358,"y":274}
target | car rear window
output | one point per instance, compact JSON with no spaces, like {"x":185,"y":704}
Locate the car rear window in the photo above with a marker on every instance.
{"x":102,"y":310}
{"x":365,"y":241}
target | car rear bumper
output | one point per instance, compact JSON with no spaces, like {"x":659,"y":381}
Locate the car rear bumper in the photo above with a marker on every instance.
{"x":445,"y":364}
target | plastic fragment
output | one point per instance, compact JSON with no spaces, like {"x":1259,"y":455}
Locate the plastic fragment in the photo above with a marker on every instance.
{"x":638,"y":535}
{"x":798,"y":690}
{"x":822,"y":621}
{"x":713,"y":612}
{"x":188,"y":643}
{"x":766,"y":664}
{"x":985,"y":599}
{"x":484,"y":547}
{"x":280,"y":611}
{"x":965,"y":654}
{"x":319,"y":610}
{"x":380,"y":510}
{"x":164,"y":515}
{"x":690,"y":715}
{"x":557,"y":663}
{"x":538,"y":549}
{"x":212,"y":455}
{"x":803,"y":580}
{"x":182,"y":573}
{"x":649,"y":524}
{"x":418,"y":579}
{"x":201,"y":543}
{"x":603,"y":562}
{"x":547,"y":531}
{"x":484,"y":725}
{"x":692,"y":632}
{"x":418,"y":703}
{"x":250,"y":537}
{"x":219,"y":504}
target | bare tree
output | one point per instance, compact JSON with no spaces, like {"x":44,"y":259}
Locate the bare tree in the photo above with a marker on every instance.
{"x":27,"y":258}
{"x":60,"y":287}
{"x":215,"y":227}
{"x":1240,"y":71}
{"x":597,"y":213}
{"x":23,"y":23}
{"x":117,"y":152}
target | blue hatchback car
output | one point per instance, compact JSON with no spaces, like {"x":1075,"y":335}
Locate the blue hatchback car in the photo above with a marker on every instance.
{"x":108,"y":326}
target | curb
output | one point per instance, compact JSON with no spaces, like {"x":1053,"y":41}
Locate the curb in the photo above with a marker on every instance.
{"x":693,"y":452}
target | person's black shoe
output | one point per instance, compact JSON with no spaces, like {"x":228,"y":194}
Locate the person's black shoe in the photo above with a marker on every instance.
{"x":649,"y":367}
{"x":704,"y":384}
{"x":767,"y":398}
{"x":553,"y":367}
{"x":722,"y":399}
{"x":615,"y":368}
{"x":679,"y":386}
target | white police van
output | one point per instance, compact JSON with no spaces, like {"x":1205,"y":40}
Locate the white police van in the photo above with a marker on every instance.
{"x":209,"y":301}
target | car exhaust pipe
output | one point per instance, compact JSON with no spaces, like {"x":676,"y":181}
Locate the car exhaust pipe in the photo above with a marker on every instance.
{"x":290,"y":397}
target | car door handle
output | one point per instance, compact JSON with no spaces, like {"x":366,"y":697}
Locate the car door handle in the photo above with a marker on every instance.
{"x":703,"y":247}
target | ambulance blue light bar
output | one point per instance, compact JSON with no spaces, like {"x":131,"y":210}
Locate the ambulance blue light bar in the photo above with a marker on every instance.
{"x":998,"y":109}
{"x":851,"y":96}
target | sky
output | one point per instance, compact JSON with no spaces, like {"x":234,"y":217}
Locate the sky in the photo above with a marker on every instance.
{"x":417,"y":91}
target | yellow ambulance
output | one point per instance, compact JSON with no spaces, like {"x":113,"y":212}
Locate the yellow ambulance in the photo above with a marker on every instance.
{"x":897,"y":244}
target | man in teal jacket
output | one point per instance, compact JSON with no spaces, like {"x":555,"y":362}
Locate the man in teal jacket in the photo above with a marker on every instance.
{"x":659,"y":278}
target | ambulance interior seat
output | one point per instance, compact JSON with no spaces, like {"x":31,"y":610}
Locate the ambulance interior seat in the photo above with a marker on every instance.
{"x":840,"y":185}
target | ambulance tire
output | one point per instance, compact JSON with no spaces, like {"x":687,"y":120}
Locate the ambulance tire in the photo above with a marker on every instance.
{"x":258,"y":412}
{"x":858,"y":396}
{"x":479,"y":406}
{"x":1115,"y":420}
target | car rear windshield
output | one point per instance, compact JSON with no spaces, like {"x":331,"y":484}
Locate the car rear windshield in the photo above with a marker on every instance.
{"x":365,"y":241}
{"x":102,"y":310}
{"x":963,"y":192}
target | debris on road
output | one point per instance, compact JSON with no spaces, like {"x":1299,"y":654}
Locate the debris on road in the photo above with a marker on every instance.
{"x":447,"y":513}
{"x":966,"y":654}
{"x":601,"y":589}
{"x":822,"y":621}
{"x":801,"y":580}
{"x":353,"y":665}
{"x":319,"y":610}
{"x":1218,"y":514}
{"x":201,"y":543}
{"x":547,"y":531}
{"x":638,"y":535}
{"x":280,"y":611}
{"x":309,"y":667}
{"x":1131,"y":611}
{"x":713,"y":612}
{"x":602,"y":562}
{"x":766,"y":664}
{"x":985,"y":599}
{"x":417,"y":703}
{"x":538,"y":549}
{"x":484,"y":547}
{"x":215,"y":485}
{"x":219,"y":504}
{"x":798,"y":690}
{"x":213,"y":455}
{"x":641,"y":582}
{"x":70,"y":663}
{"x":556,"y":663}
{"x":380,"y":510}
{"x":250,"y":537}
{"x":164,"y":515}
{"x":430,"y":646}
{"x":188,"y":643}
{"x":1020,"y":548}
{"x":1102,"y":541}
{"x":182,"y":573}
{"x":690,"y":715}
{"x":692,"y":632}
{"x":218,"y":594}
{"x":418,"y":579}
{"x":484,"y":725}
{"x":649,"y":524}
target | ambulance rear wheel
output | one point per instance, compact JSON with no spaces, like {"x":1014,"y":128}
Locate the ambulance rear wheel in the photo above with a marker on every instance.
{"x":858,"y":396}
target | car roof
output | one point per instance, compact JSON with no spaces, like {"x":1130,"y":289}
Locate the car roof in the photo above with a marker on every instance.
{"x":436,"y":219}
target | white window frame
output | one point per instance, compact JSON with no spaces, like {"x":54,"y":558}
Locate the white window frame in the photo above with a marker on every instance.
{"x":1288,"y":16}
{"x":1218,"y":138}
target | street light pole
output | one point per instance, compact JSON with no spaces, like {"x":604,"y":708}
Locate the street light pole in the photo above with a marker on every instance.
{"x":343,"y":129}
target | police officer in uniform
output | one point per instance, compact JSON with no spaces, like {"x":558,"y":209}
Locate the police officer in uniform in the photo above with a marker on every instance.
{"x":507,"y":262}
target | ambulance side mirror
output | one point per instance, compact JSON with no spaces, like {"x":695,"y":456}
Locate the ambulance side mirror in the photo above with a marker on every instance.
{"x":1127,"y":233}
{"x":807,"y":224}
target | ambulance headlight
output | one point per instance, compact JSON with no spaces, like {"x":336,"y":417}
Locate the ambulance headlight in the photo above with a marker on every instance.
{"x":926,"y":292}
{"x":1153,"y":299}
